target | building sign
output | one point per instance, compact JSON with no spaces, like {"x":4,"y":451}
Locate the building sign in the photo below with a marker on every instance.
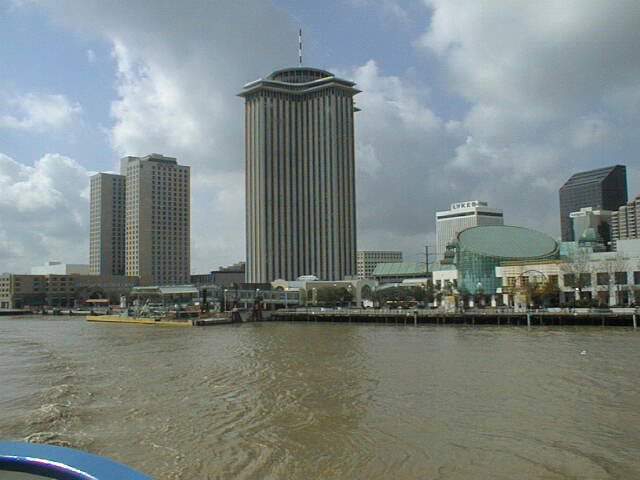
{"x":469,"y":204}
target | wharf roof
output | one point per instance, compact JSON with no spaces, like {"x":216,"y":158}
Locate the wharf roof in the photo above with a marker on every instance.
{"x":508,"y":242}
{"x":399,"y":269}
{"x":165,"y":290}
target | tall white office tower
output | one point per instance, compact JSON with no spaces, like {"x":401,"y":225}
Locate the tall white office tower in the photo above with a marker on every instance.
{"x":107,"y":224}
{"x":461,"y":215}
{"x":300,"y":176}
{"x":158,"y":225}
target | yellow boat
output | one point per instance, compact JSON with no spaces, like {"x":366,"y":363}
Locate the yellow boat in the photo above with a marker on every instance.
{"x":139,"y":320}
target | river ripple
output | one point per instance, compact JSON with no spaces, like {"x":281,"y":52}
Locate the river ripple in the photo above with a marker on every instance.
{"x":343,"y":401}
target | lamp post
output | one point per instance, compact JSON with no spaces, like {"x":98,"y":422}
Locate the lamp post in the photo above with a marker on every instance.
{"x":225,"y":300}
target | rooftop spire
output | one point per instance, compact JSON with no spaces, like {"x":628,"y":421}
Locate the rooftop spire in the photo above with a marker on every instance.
{"x":300,"y":47}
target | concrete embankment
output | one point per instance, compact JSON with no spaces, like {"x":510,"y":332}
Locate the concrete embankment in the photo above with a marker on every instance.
{"x":420,"y":317}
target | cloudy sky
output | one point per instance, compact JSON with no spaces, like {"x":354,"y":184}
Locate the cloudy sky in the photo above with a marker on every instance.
{"x":498,"y":100}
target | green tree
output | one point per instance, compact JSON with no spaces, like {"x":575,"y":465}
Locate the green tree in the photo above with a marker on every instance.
{"x":334,"y":296}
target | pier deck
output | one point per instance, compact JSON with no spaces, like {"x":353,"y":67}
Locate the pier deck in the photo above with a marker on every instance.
{"x":419,"y":317}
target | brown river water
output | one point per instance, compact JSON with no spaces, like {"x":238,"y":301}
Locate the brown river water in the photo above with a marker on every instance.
{"x":328,"y":401}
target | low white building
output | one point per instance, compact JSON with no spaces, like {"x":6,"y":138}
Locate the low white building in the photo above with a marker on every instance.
{"x":444,"y":276}
{"x":308,"y":286}
{"x":606,"y":278}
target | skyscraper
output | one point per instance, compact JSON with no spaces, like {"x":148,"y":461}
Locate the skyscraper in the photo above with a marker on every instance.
{"x":157,"y":219}
{"x":107,"y":224}
{"x":625,"y":222}
{"x":601,"y":189}
{"x":461,"y":215}
{"x":300,"y":175}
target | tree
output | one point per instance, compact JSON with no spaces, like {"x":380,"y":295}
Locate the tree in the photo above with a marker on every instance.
{"x":577,"y":267}
{"x":334,"y":296}
{"x":429,"y":294}
{"x":615,"y":267}
{"x":400,"y":294}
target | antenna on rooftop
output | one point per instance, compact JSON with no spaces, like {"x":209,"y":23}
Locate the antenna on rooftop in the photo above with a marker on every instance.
{"x":300,"y":47}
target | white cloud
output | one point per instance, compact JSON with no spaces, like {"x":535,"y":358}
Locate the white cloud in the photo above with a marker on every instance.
{"x":44,"y":214}
{"x":38,"y":112}
{"x":590,"y":130}
{"x":388,"y":8}
{"x":91,"y":56}
{"x":177,"y":95}
{"x":551,"y":89}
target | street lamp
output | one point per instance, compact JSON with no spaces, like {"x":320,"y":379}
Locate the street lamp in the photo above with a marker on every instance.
{"x":480,"y":294}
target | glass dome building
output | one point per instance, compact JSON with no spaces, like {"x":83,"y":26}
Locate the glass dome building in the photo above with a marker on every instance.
{"x":479,"y":250}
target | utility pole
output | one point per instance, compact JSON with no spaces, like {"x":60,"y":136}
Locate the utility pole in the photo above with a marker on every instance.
{"x":426,"y":258}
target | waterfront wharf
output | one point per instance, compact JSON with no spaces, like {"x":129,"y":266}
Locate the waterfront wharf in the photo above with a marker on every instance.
{"x":420,"y":317}
{"x":12,"y":312}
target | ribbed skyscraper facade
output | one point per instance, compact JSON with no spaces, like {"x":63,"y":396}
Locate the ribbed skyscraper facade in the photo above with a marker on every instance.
{"x":107,"y":223}
{"x":300,"y":176}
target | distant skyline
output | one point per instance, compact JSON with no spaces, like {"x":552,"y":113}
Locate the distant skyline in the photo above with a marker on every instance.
{"x":461,"y":100}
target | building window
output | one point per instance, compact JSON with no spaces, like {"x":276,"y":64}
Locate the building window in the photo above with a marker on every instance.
{"x":569,"y":280}
{"x":621,"y":278}
{"x":585,"y":279}
{"x":602,"y":279}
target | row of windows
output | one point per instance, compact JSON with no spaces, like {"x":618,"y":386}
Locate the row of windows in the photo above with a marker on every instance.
{"x":581,"y":280}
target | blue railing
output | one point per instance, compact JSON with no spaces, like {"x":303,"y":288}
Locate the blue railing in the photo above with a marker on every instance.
{"x":61,"y":463}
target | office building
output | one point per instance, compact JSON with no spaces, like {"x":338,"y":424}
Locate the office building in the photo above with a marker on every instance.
{"x":106,"y":225}
{"x":300,"y":176}
{"x":232,"y":275}
{"x":601,"y":189}
{"x":592,"y":227}
{"x":462,"y":215}
{"x":625,"y":222}
{"x":61,"y":290}
{"x":367,"y":260}
{"x":157,"y":244}
{"x":59,"y":268}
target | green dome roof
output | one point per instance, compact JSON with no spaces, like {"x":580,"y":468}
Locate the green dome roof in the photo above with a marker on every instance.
{"x":502,"y":241}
